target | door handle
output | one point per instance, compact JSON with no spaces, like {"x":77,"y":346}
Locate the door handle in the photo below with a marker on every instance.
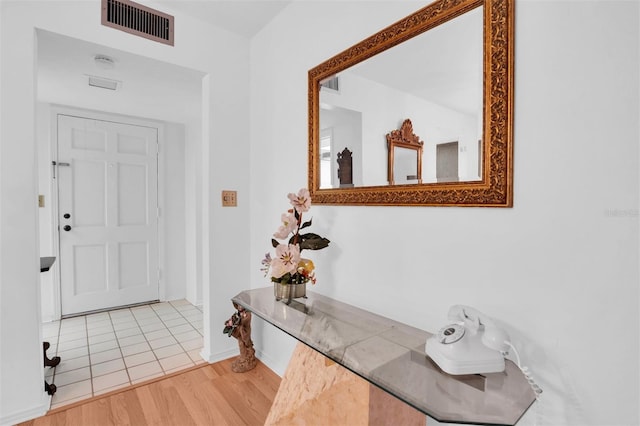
{"x":66,"y":216}
{"x":67,"y":228}
{"x":55,"y":163}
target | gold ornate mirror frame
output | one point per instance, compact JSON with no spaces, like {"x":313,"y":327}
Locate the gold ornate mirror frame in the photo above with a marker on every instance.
{"x":403,"y":138}
{"x":496,"y":187}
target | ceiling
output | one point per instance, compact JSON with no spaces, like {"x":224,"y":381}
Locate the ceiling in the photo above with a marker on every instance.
{"x":65,"y":63}
{"x":243,"y":17}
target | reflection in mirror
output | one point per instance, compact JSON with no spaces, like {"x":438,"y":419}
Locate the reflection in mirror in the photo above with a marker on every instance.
{"x":345,"y":168}
{"x":448,"y":66}
{"x":325,"y":158}
{"x":441,"y":89}
{"x":341,"y":128}
{"x":404,"y":155}
{"x":447,"y":162}
{"x":405,"y":168}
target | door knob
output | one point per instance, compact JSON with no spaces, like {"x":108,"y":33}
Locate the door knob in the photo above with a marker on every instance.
{"x":66,"y":215}
{"x":67,"y":228}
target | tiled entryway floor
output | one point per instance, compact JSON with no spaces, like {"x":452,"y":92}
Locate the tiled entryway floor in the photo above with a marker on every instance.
{"x":110,"y":350}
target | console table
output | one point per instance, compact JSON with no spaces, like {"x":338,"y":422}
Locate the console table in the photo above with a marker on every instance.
{"x":391,"y":356}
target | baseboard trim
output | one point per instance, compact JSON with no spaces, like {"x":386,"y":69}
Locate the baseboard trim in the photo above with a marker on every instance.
{"x":30,"y":414}
{"x":266,"y":359}
{"x":271,"y":363}
{"x":47,"y":319}
{"x":219,"y":356}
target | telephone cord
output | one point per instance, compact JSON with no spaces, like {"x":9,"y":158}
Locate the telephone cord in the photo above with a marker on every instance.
{"x":525,"y":370}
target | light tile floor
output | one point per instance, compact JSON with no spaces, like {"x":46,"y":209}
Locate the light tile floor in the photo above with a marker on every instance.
{"x":110,"y":350}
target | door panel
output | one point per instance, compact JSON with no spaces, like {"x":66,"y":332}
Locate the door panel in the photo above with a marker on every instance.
{"x":133,"y":198}
{"x":109,"y":242}
{"x":134,"y":264}
{"x":88,"y":192}
{"x":89,"y":268}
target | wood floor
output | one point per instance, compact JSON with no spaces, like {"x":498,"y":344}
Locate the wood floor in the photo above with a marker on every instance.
{"x":206,"y":395}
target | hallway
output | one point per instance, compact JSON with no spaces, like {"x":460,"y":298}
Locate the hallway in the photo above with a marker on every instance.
{"x":106,"y":351}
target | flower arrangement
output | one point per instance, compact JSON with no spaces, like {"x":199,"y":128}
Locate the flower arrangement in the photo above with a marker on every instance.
{"x":287,"y":267}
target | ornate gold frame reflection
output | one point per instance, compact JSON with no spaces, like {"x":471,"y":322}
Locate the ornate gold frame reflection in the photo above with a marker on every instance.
{"x":496,"y":187}
{"x":406,"y":139}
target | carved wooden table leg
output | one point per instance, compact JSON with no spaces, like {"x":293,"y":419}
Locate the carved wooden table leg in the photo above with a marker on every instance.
{"x":239,"y":326}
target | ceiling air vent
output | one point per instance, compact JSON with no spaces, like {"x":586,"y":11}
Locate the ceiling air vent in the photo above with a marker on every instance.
{"x":137,"y":19}
{"x":103,"y":83}
{"x":332,"y":83}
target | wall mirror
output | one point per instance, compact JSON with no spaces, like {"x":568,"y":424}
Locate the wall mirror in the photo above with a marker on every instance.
{"x":404,"y":155}
{"x":449,"y":67}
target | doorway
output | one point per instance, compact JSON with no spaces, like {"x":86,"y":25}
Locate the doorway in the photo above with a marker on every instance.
{"x":447,"y":162}
{"x":106,"y":175}
{"x":150,"y":92}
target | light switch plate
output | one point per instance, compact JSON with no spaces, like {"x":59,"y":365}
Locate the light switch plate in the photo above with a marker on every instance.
{"x":229,"y":198}
{"x":40,"y":201}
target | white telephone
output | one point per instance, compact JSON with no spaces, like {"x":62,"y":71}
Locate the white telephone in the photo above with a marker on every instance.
{"x":471,"y":345}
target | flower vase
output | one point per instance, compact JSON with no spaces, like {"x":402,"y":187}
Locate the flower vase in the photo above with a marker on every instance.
{"x":289,"y":291}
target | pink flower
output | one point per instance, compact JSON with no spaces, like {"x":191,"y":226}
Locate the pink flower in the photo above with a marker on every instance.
{"x":301,"y":201}
{"x":289,"y":225}
{"x":286,"y":260}
{"x":286,"y":267}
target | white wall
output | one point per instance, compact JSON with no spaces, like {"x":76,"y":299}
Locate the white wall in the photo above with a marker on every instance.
{"x":48,"y":300}
{"x":174,"y":272}
{"x":559,"y":270}
{"x":222,"y":156}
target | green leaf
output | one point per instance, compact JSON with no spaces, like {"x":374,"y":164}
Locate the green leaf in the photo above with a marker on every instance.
{"x":313,"y":241}
{"x":275,"y":243}
{"x":306,"y":224}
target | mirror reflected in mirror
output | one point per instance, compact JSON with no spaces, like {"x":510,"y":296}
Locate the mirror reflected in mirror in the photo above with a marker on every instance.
{"x":405,"y":167}
{"x":405,"y":150}
{"x":449,"y":67}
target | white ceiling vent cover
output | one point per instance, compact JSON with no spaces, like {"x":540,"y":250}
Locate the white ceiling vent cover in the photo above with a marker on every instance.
{"x":139,"y":20}
{"x":103,"y":83}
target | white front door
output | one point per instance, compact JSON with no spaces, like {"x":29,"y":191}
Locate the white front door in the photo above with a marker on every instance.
{"x":107,"y":175}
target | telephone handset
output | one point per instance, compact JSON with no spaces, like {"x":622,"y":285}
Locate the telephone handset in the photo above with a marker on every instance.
{"x":471,"y":345}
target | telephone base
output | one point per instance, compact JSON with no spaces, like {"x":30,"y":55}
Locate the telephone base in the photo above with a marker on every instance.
{"x":457,"y":360}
